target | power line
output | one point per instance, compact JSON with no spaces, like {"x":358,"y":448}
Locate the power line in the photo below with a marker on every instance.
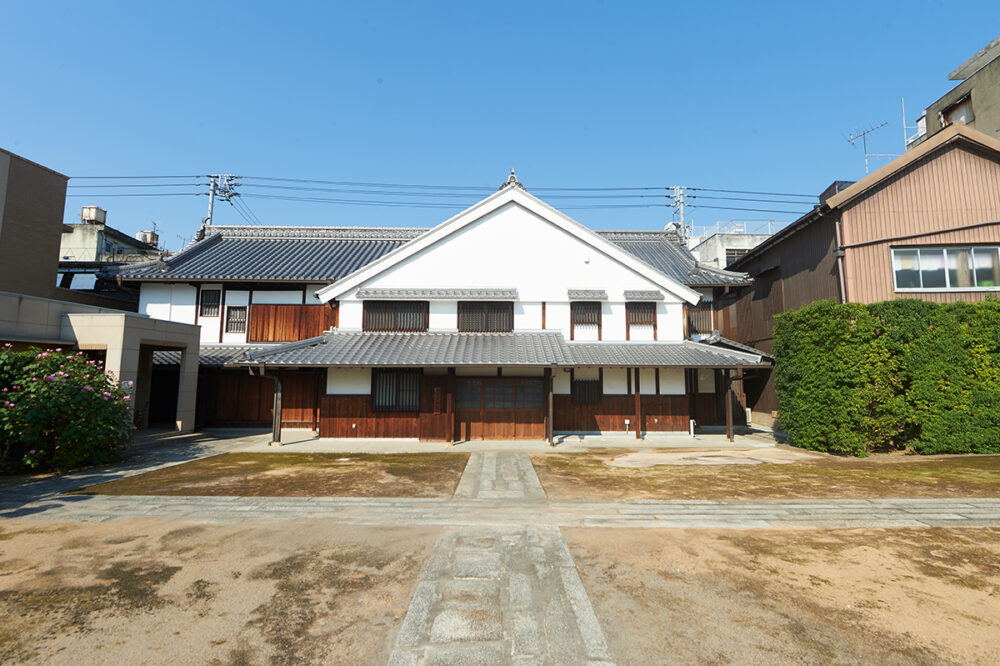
{"x":756,"y":210}
{"x":200,"y":175}
{"x":109,"y":185}
{"x":777,"y":201}
{"x":94,"y":195}
{"x":398,"y":193}
{"x":772,"y":194}
{"x":472,"y":188}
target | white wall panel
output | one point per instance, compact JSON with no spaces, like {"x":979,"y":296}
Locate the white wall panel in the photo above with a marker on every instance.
{"x":671,"y":381}
{"x":443,"y":316}
{"x":348,"y":381}
{"x":615,"y":381}
{"x":706,"y":380}
{"x":278,"y":297}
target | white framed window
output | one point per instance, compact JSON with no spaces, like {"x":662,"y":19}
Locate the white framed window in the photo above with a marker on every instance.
{"x":973,"y":268}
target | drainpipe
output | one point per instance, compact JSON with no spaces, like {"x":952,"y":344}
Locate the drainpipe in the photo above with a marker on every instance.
{"x":841,"y":267}
{"x":276,"y":425}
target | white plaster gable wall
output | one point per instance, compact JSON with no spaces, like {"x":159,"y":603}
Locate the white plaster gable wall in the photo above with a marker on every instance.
{"x":311,"y":298}
{"x":512,"y":246}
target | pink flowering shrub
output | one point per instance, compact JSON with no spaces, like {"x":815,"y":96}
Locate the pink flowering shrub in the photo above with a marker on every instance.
{"x":59,"y":411}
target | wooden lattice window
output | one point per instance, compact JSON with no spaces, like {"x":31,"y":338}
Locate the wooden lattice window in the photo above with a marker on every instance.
{"x":210,"y":299}
{"x":586,"y":391}
{"x":586,"y":313}
{"x":396,"y":315}
{"x":641,"y":314}
{"x":236,"y":319}
{"x":395,"y":390}
{"x":485,"y":316}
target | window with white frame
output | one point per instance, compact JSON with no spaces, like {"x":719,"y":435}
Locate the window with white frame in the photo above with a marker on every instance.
{"x":946,"y":268}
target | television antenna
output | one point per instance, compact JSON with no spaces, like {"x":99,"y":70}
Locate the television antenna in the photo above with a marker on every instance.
{"x":863,"y":136}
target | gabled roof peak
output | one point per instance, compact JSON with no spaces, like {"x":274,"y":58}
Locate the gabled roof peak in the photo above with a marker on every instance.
{"x":511,"y":181}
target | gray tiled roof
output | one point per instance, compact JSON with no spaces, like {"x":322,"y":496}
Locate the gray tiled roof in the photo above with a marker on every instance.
{"x":325,"y":254}
{"x":355,"y":348}
{"x":631,"y":354}
{"x":440,"y":294}
{"x":657,"y":249}
{"x":716,"y":339}
{"x":537,"y":348}
{"x":587,"y":294}
{"x":208,"y":355}
{"x":321,"y":254}
{"x":643,"y":295}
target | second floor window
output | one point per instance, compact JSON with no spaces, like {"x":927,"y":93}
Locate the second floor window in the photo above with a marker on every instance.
{"x":585,"y":315}
{"x":485,"y":316}
{"x":396,"y":315}
{"x":959,"y":268}
{"x":640,"y":318}
{"x":236,"y":319}
{"x":210,"y":303}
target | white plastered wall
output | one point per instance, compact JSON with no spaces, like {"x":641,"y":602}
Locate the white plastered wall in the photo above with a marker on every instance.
{"x":348,"y":381}
{"x":513,"y":247}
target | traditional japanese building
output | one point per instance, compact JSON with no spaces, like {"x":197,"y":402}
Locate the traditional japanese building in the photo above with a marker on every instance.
{"x":508,"y":321}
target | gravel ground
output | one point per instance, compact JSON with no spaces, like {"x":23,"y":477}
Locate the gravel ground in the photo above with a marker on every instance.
{"x":913,"y":596}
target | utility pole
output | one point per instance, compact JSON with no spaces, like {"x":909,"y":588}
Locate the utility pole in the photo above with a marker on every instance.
{"x":679,"y":205}
{"x":223,"y":186}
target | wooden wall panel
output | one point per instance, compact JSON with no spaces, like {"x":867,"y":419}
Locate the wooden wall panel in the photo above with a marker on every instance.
{"x":234,"y":398}
{"x":955,"y":188}
{"x":668,"y":413}
{"x":353,"y":416}
{"x":288,"y":323}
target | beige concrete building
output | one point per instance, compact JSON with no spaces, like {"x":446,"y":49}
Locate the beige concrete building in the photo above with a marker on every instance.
{"x":33,"y":311}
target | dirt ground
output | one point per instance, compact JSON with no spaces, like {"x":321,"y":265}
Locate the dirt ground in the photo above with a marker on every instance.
{"x":157,"y":592}
{"x":898,"y":596}
{"x":588,"y":476}
{"x":300,"y":475}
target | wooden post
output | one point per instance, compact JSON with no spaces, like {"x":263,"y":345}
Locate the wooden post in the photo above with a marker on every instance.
{"x":638,"y":407}
{"x":729,"y":405}
{"x":549,"y":424}
{"x":276,"y":422}
{"x":451,"y":404}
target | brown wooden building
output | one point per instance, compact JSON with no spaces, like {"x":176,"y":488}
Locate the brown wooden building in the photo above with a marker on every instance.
{"x":926,"y":225}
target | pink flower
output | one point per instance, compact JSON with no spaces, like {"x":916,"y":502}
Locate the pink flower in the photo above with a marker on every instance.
{"x":87,"y":388}
{"x":59,"y":349}
{"x":32,"y":452}
{"x":7,"y":344}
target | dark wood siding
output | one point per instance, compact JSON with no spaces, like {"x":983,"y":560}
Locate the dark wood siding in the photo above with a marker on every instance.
{"x":660,"y":413}
{"x":234,"y":398}
{"x":287,"y":323}
{"x":795,"y":272}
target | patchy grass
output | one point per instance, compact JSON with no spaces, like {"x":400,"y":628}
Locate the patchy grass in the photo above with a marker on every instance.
{"x":913,"y":596}
{"x":300,"y":475}
{"x":587,"y":476}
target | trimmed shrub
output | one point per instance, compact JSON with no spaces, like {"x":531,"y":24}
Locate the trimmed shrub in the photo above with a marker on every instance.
{"x":59,"y":411}
{"x":835,"y":379}
{"x":899,"y":374}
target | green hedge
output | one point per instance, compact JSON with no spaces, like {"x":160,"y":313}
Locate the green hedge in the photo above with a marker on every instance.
{"x":858,"y":378}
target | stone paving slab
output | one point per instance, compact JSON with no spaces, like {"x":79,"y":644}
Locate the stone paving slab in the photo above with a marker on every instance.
{"x":521,"y":603}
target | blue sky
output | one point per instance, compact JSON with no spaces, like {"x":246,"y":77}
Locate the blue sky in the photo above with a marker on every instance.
{"x":610,"y":94}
